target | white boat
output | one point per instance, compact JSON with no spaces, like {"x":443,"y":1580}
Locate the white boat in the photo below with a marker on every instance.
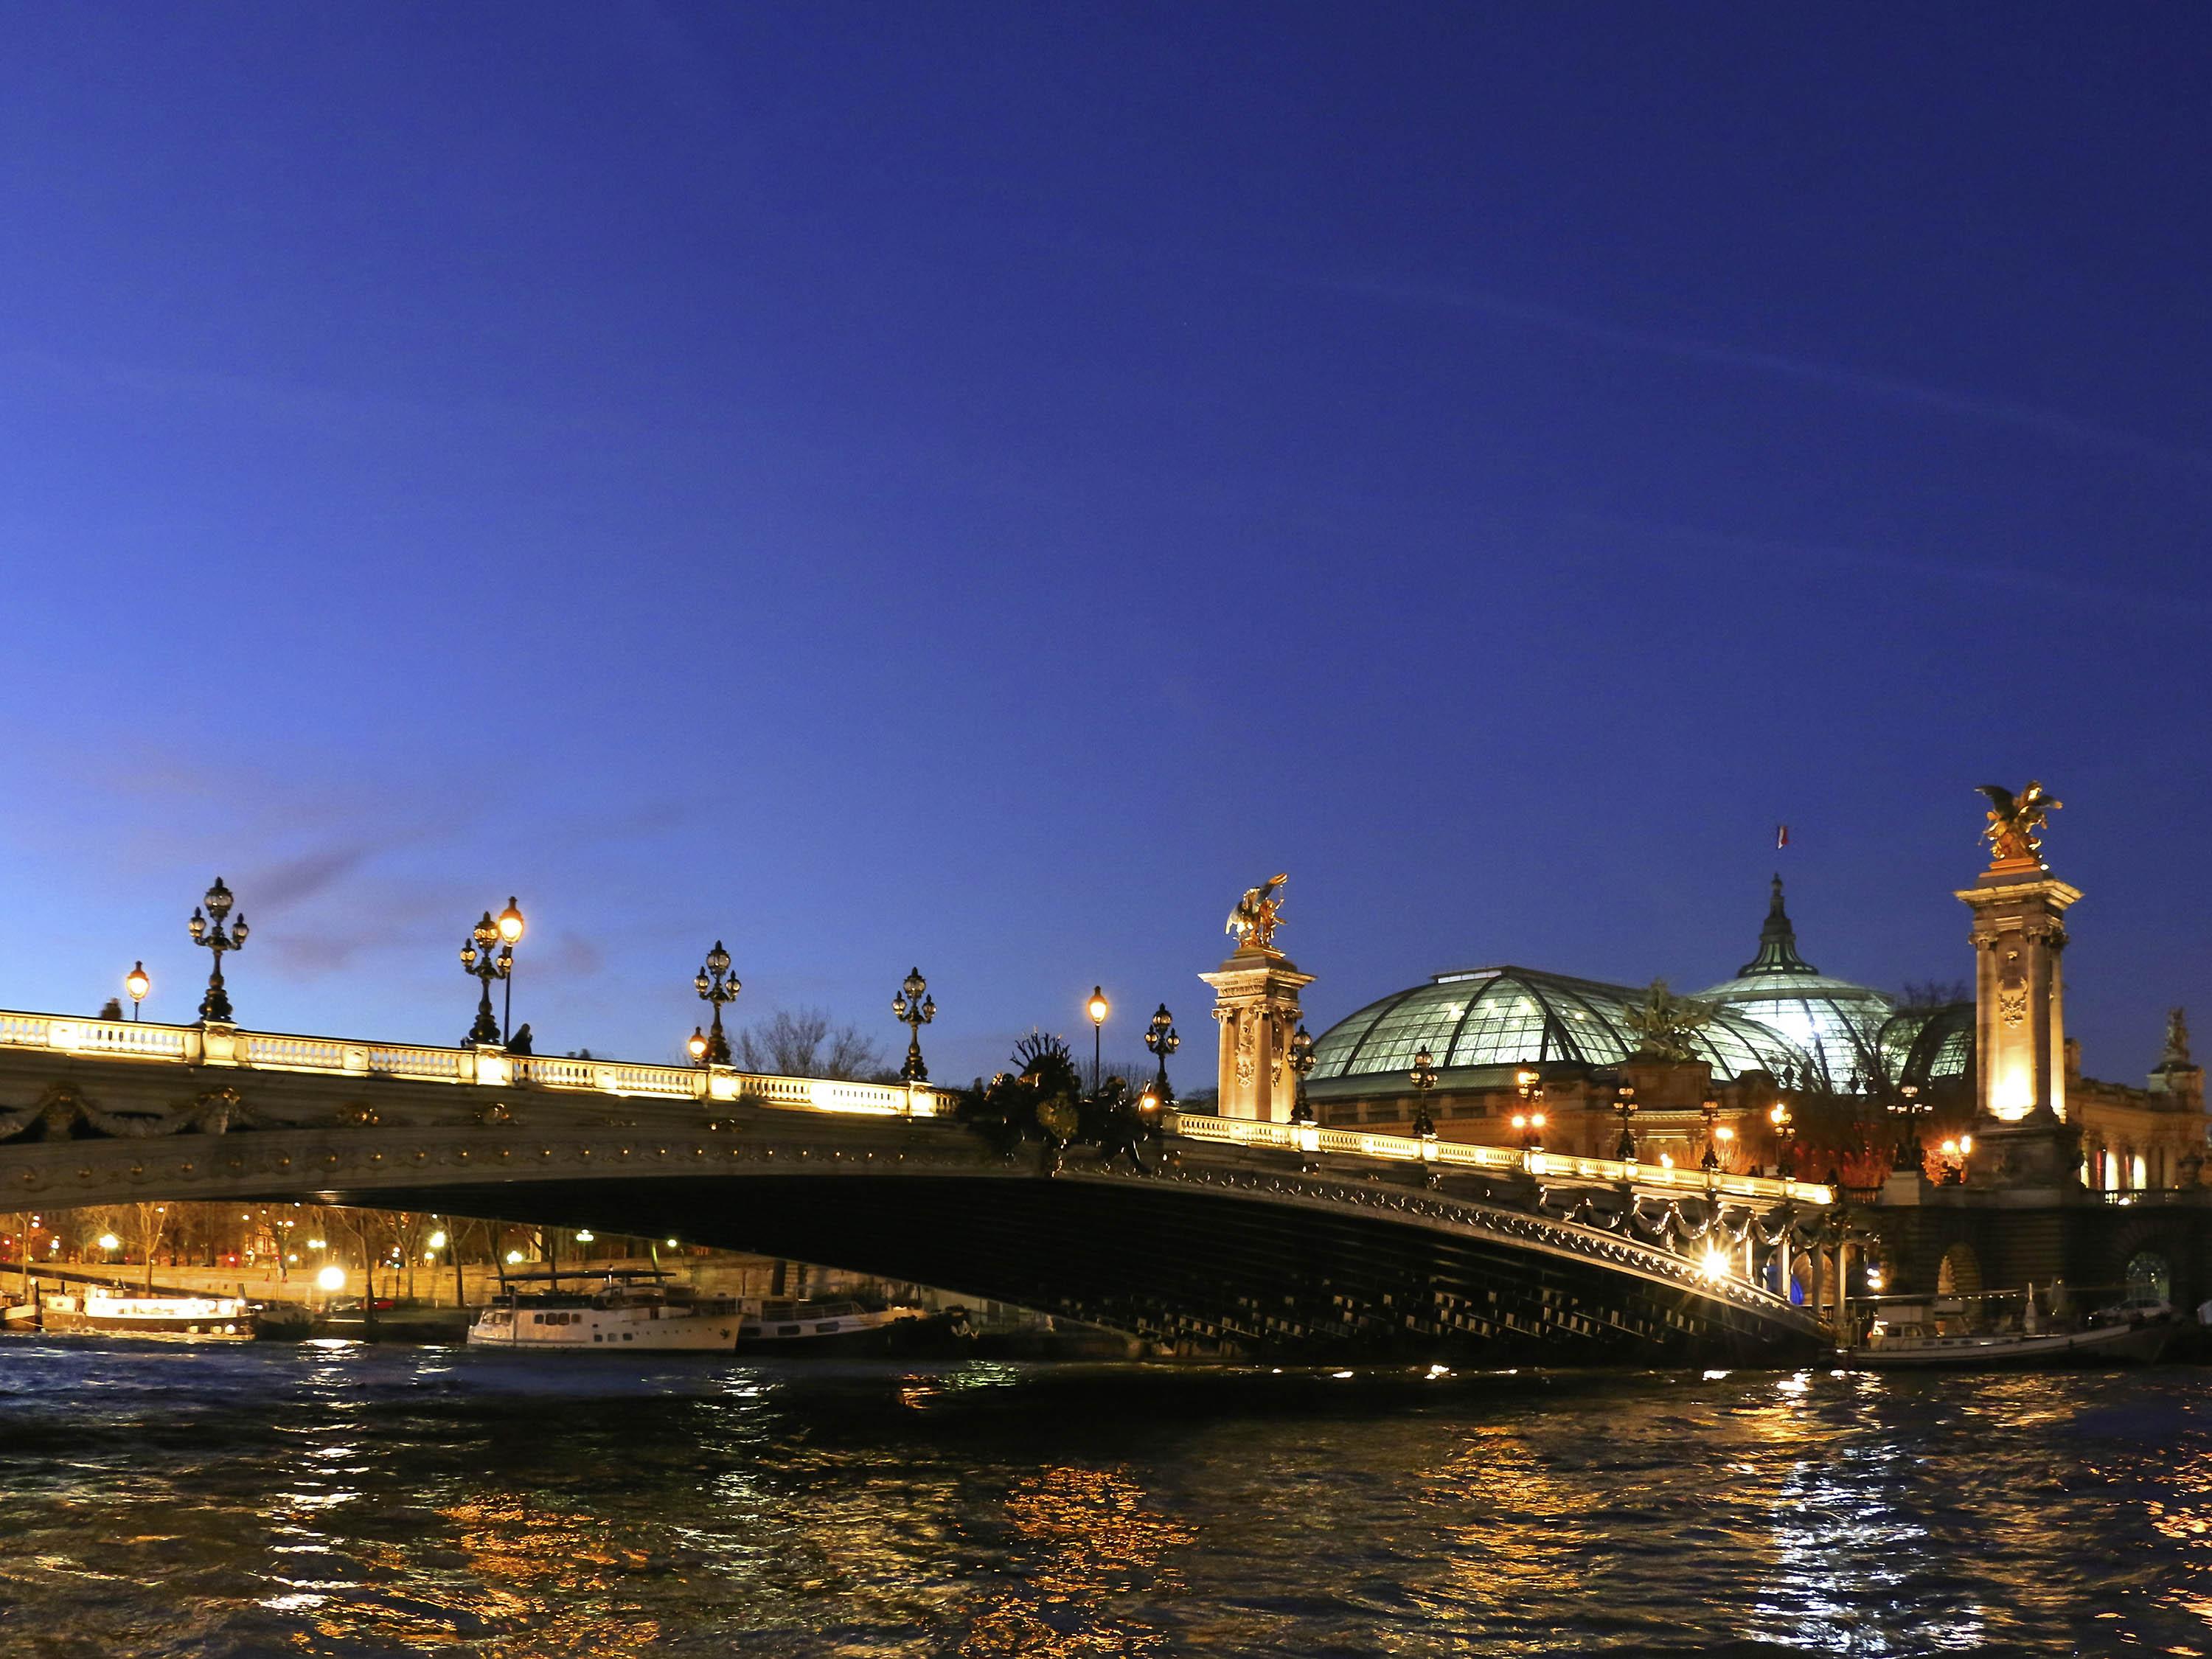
{"x":621,"y":1314}
{"x":2134,"y":1333}
{"x":805,"y":1327}
{"x":207,"y":1318}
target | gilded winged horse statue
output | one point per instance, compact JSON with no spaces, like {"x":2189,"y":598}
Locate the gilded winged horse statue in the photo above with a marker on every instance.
{"x":1257,"y":915}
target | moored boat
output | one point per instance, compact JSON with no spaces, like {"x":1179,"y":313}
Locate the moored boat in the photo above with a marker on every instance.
{"x":204,"y":1318}
{"x":2132,"y":1333}
{"x":790,"y":1327}
{"x":623,"y":1314}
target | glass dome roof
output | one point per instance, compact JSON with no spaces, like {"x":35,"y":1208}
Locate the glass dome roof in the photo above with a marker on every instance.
{"x":1837,"y":1024}
{"x":1516,"y":1016}
{"x":1929,"y":1045}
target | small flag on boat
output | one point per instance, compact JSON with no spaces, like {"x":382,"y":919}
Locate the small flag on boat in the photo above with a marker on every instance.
{"x":1781,"y":834}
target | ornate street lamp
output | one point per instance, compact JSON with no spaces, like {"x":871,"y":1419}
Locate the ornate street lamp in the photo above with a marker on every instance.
{"x":510,"y":924}
{"x":1710,"y":1163}
{"x":716,"y":984}
{"x":1785,"y":1134}
{"x":1529,"y":1119}
{"x":1623,"y":1104}
{"x":1908,"y":1154}
{"x":697,"y":1043}
{"x":916,"y":1008}
{"x":484,"y":964}
{"x":208,"y":930}
{"x":1424,"y":1075}
{"x":1160,"y":1038}
{"x":137,"y":985}
{"x":1301,"y":1059}
{"x":1098,"y":1008}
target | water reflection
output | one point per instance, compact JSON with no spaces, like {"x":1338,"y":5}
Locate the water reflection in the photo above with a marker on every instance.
{"x":1092,"y":1543}
{"x":377,"y":1502}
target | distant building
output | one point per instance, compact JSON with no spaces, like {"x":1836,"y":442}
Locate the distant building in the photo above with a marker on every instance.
{"x":1512,"y":1040}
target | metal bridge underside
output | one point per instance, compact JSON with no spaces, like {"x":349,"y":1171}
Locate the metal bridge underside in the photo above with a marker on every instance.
{"x":1193,"y":1270}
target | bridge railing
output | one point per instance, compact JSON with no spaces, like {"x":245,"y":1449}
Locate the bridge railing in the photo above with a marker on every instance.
{"x":1407,"y":1149}
{"x":490,"y":1066}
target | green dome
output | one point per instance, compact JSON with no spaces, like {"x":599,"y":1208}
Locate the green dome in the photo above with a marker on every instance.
{"x":1518,"y":1016}
{"x":1836,"y":1024}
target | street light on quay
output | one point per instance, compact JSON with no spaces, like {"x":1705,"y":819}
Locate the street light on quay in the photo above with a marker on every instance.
{"x":717,"y":985}
{"x":1160,"y":1038}
{"x":510,"y":924}
{"x":136,"y":984}
{"x":695,"y":1045}
{"x":208,"y":930}
{"x":481,"y":961}
{"x":1785,"y":1135}
{"x":1098,"y":1008}
{"x":916,"y":1008}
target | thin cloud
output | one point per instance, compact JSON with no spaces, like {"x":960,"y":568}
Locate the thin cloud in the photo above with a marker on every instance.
{"x":2040,"y":583}
{"x":2030,"y":418}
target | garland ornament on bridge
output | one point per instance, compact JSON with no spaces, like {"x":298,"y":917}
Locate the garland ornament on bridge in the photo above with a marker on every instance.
{"x":214,"y":1007}
{"x":916,"y":1008}
{"x":482,"y":963}
{"x":716,"y":984}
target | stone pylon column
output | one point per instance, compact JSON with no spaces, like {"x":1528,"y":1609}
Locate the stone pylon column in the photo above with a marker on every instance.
{"x":2020,"y":1024}
{"x":1255,"y":1002}
{"x":2021,"y":1138}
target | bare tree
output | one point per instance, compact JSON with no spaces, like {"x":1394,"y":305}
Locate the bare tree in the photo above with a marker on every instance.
{"x":804,"y":1044}
{"x":1922,"y":996}
{"x":149,"y":1221}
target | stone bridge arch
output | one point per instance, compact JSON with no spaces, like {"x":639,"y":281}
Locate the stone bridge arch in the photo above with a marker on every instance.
{"x":1296,"y":1251}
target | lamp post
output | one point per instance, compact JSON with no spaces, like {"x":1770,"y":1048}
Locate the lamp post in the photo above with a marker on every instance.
{"x":916,"y":1008}
{"x":1423,"y":1076}
{"x":510,"y":924}
{"x":1160,"y":1038}
{"x":137,"y":985}
{"x":1908,"y":1154}
{"x":1623,"y":1104}
{"x":208,"y":930}
{"x":695,"y":1045}
{"x":716,"y":984}
{"x":1098,"y":1008}
{"x":1711,"y":1163}
{"x":1529,"y":1119}
{"x":1785,"y":1135}
{"x":484,"y":964}
{"x":1301,"y":1059}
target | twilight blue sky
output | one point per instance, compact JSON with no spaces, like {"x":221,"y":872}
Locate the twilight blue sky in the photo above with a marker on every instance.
{"x":981,"y":486}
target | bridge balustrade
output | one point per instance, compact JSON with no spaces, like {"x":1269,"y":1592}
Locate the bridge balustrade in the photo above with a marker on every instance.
{"x":273,"y":1051}
{"x":1599,"y":1171}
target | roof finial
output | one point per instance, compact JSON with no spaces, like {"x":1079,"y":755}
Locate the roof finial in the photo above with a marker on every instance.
{"x":1777,"y":943}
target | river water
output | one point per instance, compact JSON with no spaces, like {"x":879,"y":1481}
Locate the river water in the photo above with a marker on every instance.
{"x":337,"y":1499}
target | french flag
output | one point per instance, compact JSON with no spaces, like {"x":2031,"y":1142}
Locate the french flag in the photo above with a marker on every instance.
{"x":1781,"y":834}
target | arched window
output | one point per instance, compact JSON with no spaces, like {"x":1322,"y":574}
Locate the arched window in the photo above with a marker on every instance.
{"x":1959,"y":1272}
{"x":2148,"y":1279}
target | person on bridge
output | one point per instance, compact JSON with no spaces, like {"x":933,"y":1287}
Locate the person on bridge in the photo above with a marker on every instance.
{"x":519,"y":1042}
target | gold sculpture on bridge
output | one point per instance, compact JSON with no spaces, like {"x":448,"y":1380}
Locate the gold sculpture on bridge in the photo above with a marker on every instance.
{"x":1257,"y":915}
{"x":2014,"y":821}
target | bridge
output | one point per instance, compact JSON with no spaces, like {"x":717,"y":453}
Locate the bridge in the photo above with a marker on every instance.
{"x":1217,"y":1234}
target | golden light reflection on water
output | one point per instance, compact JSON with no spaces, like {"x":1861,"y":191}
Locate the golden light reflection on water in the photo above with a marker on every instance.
{"x":552,"y":1578}
{"x":1524,"y":1536}
{"x":2185,"y":1518}
{"x":1095,"y":1543}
